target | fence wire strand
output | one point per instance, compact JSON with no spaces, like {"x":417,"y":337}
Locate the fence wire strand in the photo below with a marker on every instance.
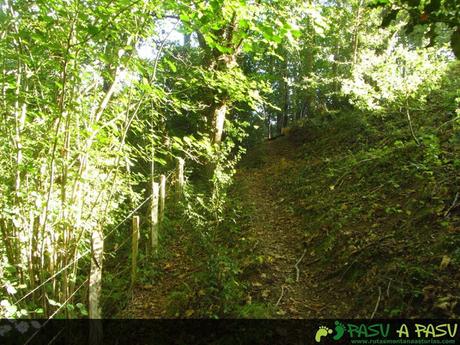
{"x":83,"y":254}
{"x":56,"y":311}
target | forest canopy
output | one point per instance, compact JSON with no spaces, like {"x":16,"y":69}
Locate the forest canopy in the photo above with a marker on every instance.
{"x":100,"y":98}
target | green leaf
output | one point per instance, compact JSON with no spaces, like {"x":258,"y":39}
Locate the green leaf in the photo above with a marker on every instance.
{"x":54,"y":303}
{"x":82,"y":309}
{"x":184,"y":17}
{"x":223,"y":49}
{"x":171,"y":65}
{"x":160,"y":161}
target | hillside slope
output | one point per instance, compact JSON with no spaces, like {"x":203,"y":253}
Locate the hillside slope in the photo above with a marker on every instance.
{"x":377,"y":215}
{"x":345,"y":217}
{"x":284,"y":276}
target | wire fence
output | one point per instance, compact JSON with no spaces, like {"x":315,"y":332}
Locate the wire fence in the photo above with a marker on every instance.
{"x":82,"y":255}
{"x":56,"y":311}
{"x":87,"y":252}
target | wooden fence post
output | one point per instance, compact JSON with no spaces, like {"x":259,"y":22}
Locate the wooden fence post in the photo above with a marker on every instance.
{"x":162,"y":196}
{"x":154,"y":217}
{"x":134,"y":249}
{"x":180,"y":176}
{"x":95,"y":277}
{"x":95,"y":285}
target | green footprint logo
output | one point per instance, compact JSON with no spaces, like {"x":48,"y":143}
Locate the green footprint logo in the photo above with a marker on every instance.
{"x":339,"y":330}
{"x":322,"y":331}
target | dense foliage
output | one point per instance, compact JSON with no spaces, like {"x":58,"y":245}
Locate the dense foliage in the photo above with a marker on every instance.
{"x":101,"y":97}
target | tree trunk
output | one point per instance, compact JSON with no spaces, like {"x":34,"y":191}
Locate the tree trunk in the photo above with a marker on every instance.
{"x":356,"y":32}
{"x":455,"y":42}
{"x":95,"y":278}
{"x":218,"y":120}
{"x":286,"y":95}
{"x":269,"y":124}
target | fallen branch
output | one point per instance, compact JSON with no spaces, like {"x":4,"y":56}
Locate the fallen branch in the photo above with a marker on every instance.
{"x":341,"y":178}
{"x":281,"y":297}
{"x":360,"y":250}
{"x":380,"y":240}
{"x":312,"y":262}
{"x":315,"y":309}
{"x":445,"y":123}
{"x":297,"y":265}
{"x":454,"y":205}
{"x":410,"y":124}
{"x":377,"y":304}
{"x":388,"y":288}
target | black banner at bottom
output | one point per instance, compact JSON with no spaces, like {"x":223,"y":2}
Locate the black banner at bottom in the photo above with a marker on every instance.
{"x":231,"y":332}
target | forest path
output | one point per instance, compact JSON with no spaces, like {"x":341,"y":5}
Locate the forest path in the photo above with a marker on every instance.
{"x":280,"y":235}
{"x":281,"y":239}
{"x":152,"y":300}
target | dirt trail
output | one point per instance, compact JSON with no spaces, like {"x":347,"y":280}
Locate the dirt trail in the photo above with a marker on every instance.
{"x":151,"y":300}
{"x":281,"y":239}
{"x":280,"y":236}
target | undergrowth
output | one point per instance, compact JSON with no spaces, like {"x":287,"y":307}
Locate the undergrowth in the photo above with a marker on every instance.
{"x":221,"y":255}
{"x":381,"y":210}
{"x":381,"y":207}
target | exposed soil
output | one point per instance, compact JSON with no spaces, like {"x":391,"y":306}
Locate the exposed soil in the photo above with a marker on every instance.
{"x":152,"y":300}
{"x":292,"y":275}
{"x":281,"y":239}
